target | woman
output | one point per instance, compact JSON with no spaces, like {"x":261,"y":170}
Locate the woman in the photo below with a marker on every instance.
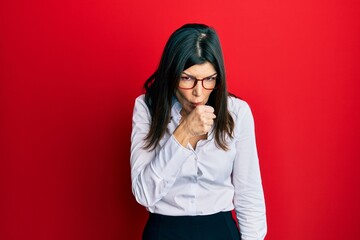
{"x":193,"y":150}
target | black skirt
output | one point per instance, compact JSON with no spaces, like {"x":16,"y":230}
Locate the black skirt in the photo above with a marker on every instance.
{"x":219,"y":226}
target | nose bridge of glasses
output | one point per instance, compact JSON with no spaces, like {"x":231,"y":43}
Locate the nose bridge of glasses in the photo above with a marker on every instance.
{"x":196,"y":80}
{"x":198,"y":87}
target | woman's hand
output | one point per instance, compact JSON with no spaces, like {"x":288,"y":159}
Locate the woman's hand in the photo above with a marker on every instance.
{"x":197,"y":123}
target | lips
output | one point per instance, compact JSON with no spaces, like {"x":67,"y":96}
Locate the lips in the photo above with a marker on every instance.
{"x":196,"y":104}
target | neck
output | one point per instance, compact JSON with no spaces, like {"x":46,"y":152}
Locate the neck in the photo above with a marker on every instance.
{"x":184,"y":113}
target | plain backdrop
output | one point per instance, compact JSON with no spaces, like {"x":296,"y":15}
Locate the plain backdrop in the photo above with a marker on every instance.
{"x":70,"y":71}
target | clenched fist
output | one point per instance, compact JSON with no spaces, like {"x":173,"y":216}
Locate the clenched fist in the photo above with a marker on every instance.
{"x":197,"y":122}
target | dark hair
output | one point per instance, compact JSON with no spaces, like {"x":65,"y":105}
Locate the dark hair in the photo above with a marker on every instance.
{"x":189,"y":45}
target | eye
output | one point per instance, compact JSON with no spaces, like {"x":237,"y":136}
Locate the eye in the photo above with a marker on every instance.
{"x":186,"y":78}
{"x":210,"y":79}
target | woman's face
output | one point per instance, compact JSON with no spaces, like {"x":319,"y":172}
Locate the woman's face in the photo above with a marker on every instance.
{"x":190,"y":98}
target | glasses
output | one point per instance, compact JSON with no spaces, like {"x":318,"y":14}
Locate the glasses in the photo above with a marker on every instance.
{"x":189,"y":82}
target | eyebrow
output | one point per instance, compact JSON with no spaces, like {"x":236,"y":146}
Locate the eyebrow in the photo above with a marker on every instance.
{"x":197,"y":78}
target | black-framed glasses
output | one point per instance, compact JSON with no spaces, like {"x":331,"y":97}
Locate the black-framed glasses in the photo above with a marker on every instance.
{"x":189,"y":82}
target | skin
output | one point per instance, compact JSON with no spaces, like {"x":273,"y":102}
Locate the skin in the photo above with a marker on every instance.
{"x":197,"y":118}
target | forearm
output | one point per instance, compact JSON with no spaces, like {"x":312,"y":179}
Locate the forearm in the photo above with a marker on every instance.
{"x":181,"y":135}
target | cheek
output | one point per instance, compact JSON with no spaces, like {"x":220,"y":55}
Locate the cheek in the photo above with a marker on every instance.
{"x":182,"y":96}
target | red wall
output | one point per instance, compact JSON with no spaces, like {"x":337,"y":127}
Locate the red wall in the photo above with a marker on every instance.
{"x":69,"y":73}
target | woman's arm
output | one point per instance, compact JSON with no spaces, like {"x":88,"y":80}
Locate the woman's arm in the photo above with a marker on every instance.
{"x":249,"y":198}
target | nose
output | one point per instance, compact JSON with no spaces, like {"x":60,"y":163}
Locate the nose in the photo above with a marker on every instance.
{"x":198,"y":89}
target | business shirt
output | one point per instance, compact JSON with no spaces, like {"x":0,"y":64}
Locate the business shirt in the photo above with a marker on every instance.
{"x":176,"y":180}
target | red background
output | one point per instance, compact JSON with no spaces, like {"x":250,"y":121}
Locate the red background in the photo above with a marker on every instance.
{"x":69,"y":73}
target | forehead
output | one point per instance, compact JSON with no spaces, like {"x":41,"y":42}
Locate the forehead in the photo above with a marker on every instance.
{"x":201,"y":70}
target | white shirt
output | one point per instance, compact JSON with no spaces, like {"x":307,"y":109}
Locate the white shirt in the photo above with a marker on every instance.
{"x":176,"y":180}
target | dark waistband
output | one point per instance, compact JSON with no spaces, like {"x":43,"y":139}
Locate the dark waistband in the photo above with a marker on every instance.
{"x":187,"y":217}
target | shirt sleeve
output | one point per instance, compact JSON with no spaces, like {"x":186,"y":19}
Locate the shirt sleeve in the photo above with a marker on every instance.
{"x":153,"y":172}
{"x":249,"y":198}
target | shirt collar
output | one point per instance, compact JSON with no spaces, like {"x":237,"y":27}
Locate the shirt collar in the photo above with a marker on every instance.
{"x":175,"y":110}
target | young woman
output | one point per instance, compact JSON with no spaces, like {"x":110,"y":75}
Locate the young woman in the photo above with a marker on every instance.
{"x":193,"y":149}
